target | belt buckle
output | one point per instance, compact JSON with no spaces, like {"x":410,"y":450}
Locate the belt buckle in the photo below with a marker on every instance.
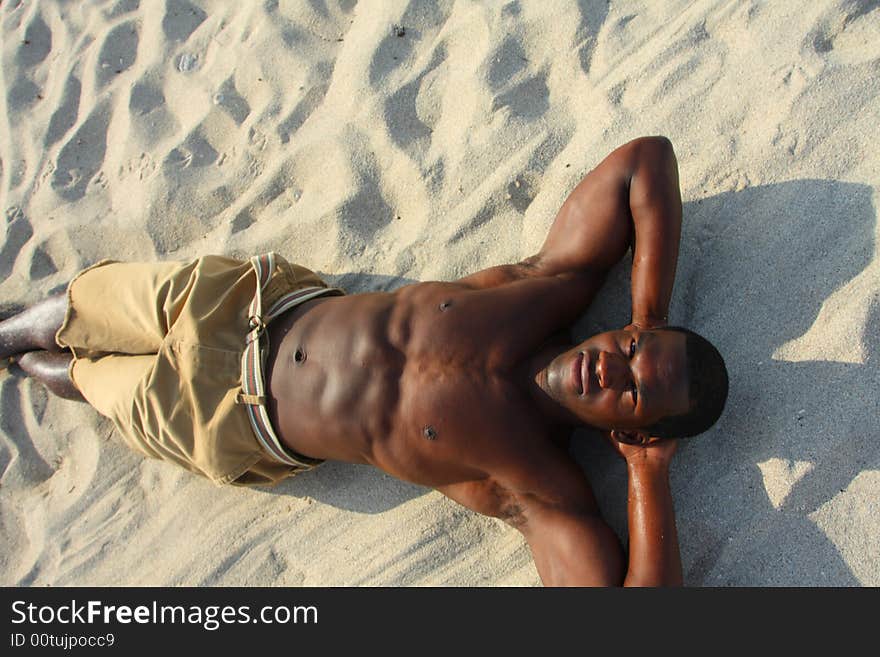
{"x":256,"y":327}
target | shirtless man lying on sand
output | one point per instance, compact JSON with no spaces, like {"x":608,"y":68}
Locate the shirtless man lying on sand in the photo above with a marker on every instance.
{"x":248,"y":372}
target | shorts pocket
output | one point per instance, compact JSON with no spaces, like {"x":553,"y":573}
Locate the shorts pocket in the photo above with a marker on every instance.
{"x":202,"y":423}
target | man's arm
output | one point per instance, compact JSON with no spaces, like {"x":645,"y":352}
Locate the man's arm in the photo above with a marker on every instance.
{"x":655,"y":204}
{"x":573,"y":549}
{"x":579,"y":549}
{"x":631,"y":199}
{"x":654,"y":558}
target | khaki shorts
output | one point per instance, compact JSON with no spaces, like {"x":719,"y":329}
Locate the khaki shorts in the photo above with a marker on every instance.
{"x":157,"y":348}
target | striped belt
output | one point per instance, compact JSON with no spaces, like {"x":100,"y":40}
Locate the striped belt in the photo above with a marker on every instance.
{"x":253,"y":385}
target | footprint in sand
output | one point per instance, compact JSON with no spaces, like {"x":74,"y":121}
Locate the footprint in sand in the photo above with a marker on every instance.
{"x":118,"y":52}
{"x":121,"y":8}
{"x":592,"y":20}
{"x":363,"y":215}
{"x":303,"y":110}
{"x":145,"y":97}
{"x":65,"y":116}
{"x":849,"y":33}
{"x":228,"y":99}
{"x":528,"y":100}
{"x":100,"y":181}
{"x":82,"y":156}
{"x":18,"y":232}
{"x":20,"y":458}
{"x":22,"y":95}
{"x":242,"y":221}
{"x":179,"y":158}
{"x":32,"y":51}
{"x":181,"y":19}
{"x":508,"y":60}
{"x":151,"y":122}
{"x":141,"y":167}
{"x":195,"y":152}
{"x":413,"y":110}
{"x":41,"y":265}
{"x":281,"y":190}
{"x":257,"y":138}
{"x":522,"y":191}
{"x":36,"y":45}
{"x":418,"y":24}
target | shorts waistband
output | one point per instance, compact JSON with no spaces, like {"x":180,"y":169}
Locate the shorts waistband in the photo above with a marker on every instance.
{"x":253,"y":385}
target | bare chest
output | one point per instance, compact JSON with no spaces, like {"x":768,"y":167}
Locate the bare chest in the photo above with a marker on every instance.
{"x":456,"y":421}
{"x":424,"y":387}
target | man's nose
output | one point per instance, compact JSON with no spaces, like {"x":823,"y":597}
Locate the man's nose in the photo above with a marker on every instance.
{"x":610,"y":370}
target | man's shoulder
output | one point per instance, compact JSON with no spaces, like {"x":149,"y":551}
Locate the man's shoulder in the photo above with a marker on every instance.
{"x":518,"y":489}
{"x":544,"y":475}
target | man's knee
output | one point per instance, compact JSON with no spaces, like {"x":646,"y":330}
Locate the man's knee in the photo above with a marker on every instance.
{"x":48,"y":322}
{"x":52,"y":370}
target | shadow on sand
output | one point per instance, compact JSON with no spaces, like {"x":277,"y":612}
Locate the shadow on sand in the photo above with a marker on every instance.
{"x":755,"y":268}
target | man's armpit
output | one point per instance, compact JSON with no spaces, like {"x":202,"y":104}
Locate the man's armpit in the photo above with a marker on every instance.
{"x":509,"y":507}
{"x":489,"y":498}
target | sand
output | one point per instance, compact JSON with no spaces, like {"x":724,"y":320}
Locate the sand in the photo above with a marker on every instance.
{"x":378,"y":156}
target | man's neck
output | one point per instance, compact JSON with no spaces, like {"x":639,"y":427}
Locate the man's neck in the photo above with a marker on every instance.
{"x":533,"y":376}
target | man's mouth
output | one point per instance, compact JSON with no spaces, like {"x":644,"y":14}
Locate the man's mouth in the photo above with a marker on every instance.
{"x":585,"y":373}
{"x":580,"y":373}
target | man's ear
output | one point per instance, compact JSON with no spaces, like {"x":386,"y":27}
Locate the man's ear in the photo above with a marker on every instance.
{"x":628,"y":437}
{"x":633,"y":437}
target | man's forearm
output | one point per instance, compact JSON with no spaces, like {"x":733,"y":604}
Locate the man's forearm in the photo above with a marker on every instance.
{"x":654,"y":558}
{"x":655,"y":205}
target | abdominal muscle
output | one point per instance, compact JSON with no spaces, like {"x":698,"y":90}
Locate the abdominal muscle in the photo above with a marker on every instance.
{"x":332,"y":378}
{"x":388,"y":379}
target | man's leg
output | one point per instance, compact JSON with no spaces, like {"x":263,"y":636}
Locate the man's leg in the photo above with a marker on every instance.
{"x":51,"y":369}
{"x":30,"y":336}
{"x":33,"y":329}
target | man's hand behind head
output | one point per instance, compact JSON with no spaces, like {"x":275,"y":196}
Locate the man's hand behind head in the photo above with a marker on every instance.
{"x":646,"y":324}
{"x":638,"y":447}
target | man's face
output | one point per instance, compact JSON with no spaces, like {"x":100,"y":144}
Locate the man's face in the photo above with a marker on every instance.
{"x":626,"y":379}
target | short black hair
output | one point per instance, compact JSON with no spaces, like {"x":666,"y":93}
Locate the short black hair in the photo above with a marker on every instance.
{"x":707,"y":389}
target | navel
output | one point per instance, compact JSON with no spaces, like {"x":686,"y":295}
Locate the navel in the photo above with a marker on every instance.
{"x":299,"y":355}
{"x":446,"y":305}
{"x":429,"y":432}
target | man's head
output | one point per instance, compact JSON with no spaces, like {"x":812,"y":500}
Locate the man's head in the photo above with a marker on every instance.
{"x":668,"y":382}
